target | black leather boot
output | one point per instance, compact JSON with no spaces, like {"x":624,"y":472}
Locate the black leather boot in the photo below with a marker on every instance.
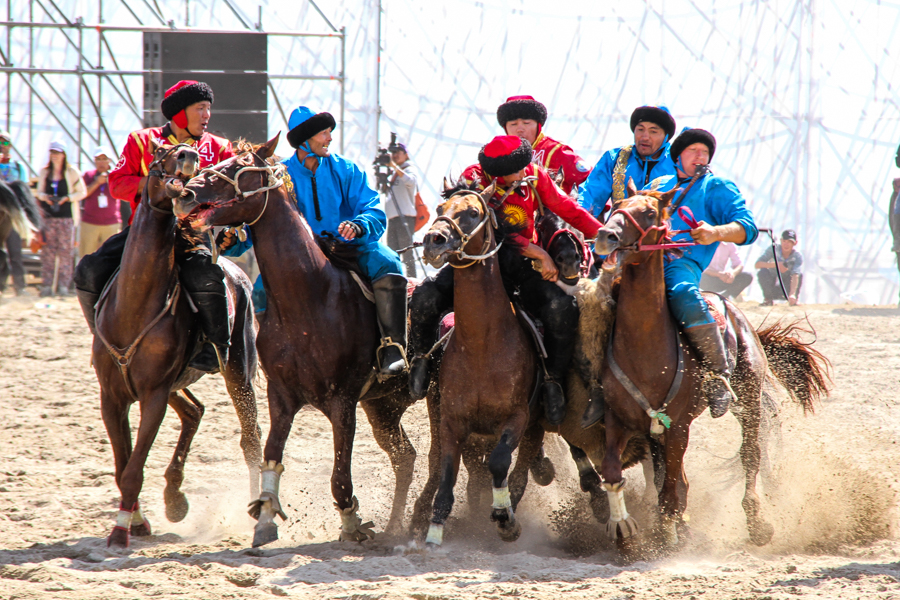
{"x":87,"y":301}
{"x":708,"y":343}
{"x":390,"y":305}
{"x":596,"y":408}
{"x":554,"y":400}
{"x":212,"y":312}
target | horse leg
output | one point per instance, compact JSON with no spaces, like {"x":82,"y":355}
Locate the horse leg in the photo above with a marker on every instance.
{"x":384,"y":415}
{"x":115,"y":417}
{"x":589,"y":480}
{"x":190,"y":411}
{"x":418,"y":524}
{"x":502,"y":512}
{"x":474,"y":457}
{"x":760,"y":531}
{"x":283,"y":407}
{"x":153,"y":410}
{"x":671,"y":502}
{"x":343,"y":429}
{"x":450,"y":448}
{"x":531,"y":449}
{"x":542,"y":469}
{"x":620,"y":525}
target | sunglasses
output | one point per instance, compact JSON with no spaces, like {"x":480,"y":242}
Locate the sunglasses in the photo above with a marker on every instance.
{"x":5,"y":143}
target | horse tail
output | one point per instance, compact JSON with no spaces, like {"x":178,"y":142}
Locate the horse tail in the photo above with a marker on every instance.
{"x":16,"y":200}
{"x":803,"y":371}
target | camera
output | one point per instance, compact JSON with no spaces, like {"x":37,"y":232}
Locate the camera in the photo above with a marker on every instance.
{"x":382,"y":163}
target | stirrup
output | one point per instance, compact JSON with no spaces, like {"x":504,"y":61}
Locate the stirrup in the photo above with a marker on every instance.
{"x":388,"y":342}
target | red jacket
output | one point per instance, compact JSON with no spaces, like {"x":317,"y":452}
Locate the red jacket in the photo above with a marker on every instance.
{"x":124,"y":179}
{"x":517,"y":211}
{"x":553,"y":156}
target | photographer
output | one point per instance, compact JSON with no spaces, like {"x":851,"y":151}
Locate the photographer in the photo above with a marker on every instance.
{"x":59,"y":187}
{"x":400,"y":205}
{"x":101,"y":217}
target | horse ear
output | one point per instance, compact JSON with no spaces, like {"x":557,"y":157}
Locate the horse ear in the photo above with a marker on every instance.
{"x":631,"y":188}
{"x":447,"y":186}
{"x":268,"y":149}
{"x":665,"y":199}
{"x":488,"y":192}
{"x":153,"y":146}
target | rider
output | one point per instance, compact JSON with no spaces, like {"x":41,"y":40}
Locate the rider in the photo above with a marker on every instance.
{"x":187,"y":106}
{"x":723,"y":216}
{"x":644,"y":161}
{"x":520,"y":186}
{"x":525,"y":117}
{"x":334,"y":197}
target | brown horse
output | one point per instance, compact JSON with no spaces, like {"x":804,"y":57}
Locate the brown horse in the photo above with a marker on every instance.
{"x":648,"y":362}
{"x":145,"y":332}
{"x":317,"y":338}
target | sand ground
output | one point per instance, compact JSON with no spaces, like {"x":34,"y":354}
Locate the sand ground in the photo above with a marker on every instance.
{"x":830,"y":488}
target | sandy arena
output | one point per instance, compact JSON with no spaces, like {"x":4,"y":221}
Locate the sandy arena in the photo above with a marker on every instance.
{"x":830,"y":488}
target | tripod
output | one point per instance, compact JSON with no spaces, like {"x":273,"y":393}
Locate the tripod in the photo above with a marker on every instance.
{"x":387,"y":193}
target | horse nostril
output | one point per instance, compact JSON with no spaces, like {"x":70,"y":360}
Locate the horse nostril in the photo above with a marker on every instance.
{"x":612,"y":238}
{"x":437,"y":238}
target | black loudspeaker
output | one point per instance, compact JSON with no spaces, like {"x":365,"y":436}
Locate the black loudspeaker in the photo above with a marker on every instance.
{"x":233,"y":64}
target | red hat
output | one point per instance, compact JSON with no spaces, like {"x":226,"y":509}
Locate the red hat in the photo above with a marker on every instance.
{"x":183,"y":94}
{"x":505,"y":155}
{"x":521,"y":107}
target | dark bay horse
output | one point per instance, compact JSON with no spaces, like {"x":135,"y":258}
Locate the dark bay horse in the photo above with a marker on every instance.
{"x":145,"y":332}
{"x":317,"y":338}
{"x":647,"y":358}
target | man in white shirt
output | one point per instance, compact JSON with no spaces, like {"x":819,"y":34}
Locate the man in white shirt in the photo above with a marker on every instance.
{"x":719,"y":278}
{"x":400,"y":207}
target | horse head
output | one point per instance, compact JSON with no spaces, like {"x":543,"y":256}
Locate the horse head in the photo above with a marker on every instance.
{"x":232,"y":192}
{"x":639,"y":219}
{"x":172,"y":166}
{"x":464,"y":220}
{"x":564,"y":245}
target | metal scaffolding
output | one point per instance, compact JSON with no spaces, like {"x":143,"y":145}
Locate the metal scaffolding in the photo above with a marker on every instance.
{"x":105,"y":108}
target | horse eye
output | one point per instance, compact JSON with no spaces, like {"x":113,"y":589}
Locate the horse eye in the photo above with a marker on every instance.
{"x":473,"y":212}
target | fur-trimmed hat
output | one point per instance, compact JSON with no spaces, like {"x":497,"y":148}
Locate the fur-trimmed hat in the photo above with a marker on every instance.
{"x":505,"y":155}
{"x":692,"y":136}
{"x":183,"y":94}
{"x":658,"y":115}
{"x":521,"y":107}
{"x":304,"y":124}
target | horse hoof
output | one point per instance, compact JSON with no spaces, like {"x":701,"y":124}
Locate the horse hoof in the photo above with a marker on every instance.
{"x":543,"y":472}
{"x":761,"y":534}
{"x":510,"y":531}
{"x":264,"y":533}
{"x":142,"y":530}
{"x":176,"y":506}
{"x":118,"y":538}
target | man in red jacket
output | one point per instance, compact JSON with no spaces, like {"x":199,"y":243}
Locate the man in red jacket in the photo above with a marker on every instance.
{"x":525,"y":117}
{"x":187,"y":106}
{"x":507,"y":162}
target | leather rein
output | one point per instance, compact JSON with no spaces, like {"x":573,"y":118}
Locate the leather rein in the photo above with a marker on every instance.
{"x":489,"y":216}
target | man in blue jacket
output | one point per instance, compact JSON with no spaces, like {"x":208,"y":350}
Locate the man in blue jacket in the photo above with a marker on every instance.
{"x":644,"y":161}
{"x":723,"y":216}
{"x":334,"y":197}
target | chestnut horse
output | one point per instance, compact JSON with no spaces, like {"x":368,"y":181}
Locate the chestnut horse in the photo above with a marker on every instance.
{"x":648,"y":362}
{"x":145,"y":332}
{"x":317,"y":338}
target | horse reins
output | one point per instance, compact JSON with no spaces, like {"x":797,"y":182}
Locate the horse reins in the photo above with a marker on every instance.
{"x":275,"y":180}
{"x":489,"y":216}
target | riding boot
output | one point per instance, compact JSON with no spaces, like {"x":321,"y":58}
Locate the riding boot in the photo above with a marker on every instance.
{"x":212,"y":312}
{"x":87,"y":301}
{"x":431,"y":299}
{"x":596,"y":408}
{"x":560,"y":318}
{"x":708,"y":343}
{"x":390,"y":305}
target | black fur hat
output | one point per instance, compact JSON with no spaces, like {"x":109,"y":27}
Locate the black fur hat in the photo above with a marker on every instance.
{"x":521,"y":107}
{"x":692,"y":136}
{"x":183,"y":94}
{"x":304,"y":124}
{"x":505,"y":155}
{"x":658,"y":115}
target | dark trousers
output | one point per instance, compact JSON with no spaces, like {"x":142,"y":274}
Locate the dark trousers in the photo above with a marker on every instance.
{"x":545,"y":300}
{"x":11,"y":262}
{"x":771,"y":289}
{"x":400,"y":235}
{"x":709,"y":283}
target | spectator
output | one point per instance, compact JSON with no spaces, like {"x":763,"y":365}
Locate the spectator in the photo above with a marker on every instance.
{"x":11,"y":259}
{"x":790,"y":262}
{"x":719,"y":278}
{"x":100,"y":214}
{"x":400,"y":207}
{"x":59,"y":187}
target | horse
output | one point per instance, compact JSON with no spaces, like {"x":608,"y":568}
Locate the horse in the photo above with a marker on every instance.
{"x":318,"y":335}
{"x":565,"y":246}
{"x":145,"y":332}
{"x":18,"y":212}
{"x":651,"y":377}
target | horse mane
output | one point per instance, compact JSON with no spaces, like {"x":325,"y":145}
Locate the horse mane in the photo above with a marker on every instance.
{"x":242,"y":145}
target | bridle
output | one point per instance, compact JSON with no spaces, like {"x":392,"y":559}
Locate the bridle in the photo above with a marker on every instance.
{"x":275,"y":180}
{"x":665,"y":240}
{"x":587,"y":257}
{"x":160,"y":173}
{"x":489,"y":216}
